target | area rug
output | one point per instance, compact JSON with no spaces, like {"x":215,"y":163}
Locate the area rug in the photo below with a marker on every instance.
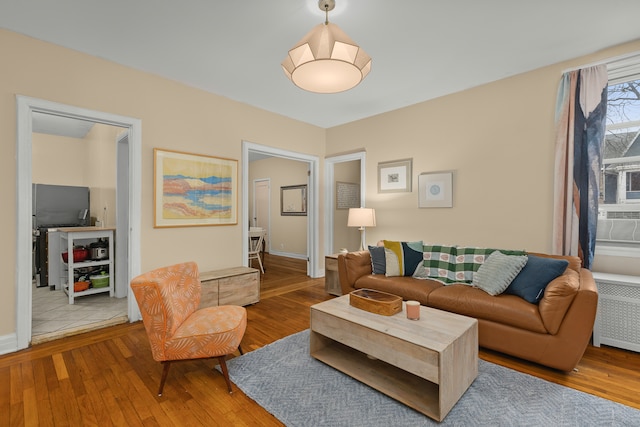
{"x":301,"y":391}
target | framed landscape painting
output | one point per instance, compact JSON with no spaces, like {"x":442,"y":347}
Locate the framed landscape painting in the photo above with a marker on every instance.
{"x":194,"y":190}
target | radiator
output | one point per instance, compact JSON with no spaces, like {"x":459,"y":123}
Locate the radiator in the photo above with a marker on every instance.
{"x":618,"y":316}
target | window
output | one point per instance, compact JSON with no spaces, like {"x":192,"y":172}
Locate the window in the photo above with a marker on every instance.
{"x":619,"y":206}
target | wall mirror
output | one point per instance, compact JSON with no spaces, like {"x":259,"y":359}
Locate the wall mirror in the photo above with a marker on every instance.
{"x":293,"y":200}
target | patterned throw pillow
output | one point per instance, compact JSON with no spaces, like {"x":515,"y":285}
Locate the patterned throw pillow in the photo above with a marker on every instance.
{"x":378,"y":261}
{"x":440,"y":262}
{"x":498,"y":271}
{"x":402,"y":258}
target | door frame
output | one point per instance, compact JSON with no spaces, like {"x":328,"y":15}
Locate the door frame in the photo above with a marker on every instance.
{"x":23,"y":285}
{"x":313,"y":233}
{"x":253,"y":214}
{"x":329,"y":194}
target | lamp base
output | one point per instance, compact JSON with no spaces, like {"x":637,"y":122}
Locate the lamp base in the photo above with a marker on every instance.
{"x":361,"y":238}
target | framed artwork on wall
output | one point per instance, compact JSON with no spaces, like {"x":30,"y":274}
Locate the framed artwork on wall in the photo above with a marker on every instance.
{"x":194,"y":189}
{"x":293,"y":200}
{"x":394,"y":176}
{"x":347,"y":195}
{"x":435,"y":190}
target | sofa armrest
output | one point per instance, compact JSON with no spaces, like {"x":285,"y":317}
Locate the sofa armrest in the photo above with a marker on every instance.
{"x":352,"y":266}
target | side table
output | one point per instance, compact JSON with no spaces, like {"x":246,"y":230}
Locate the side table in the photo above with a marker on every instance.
{"x":331,"y":277}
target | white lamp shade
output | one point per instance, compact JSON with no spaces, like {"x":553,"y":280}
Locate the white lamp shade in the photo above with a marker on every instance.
{"x":361,"y":217}
{"x":326,"y":60}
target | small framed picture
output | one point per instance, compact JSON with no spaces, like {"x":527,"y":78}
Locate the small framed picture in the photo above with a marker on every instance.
{"x":395,"y":176}
{"x":435,"y":190}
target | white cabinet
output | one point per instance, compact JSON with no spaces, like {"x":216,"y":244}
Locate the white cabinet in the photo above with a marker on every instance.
{"x":71,"y":236}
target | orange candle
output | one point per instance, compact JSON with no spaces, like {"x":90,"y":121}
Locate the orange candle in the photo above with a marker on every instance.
{"x":413,"y":310}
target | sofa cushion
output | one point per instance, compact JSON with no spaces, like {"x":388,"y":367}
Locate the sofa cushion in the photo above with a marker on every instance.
{"x":558,"y":297}
{"x":474,"y":302}
{"x":575,"y":263}
{"x":497,"y":272}
{"x":505,"y":309}
{"x":378,"y":260}
{"x":402,"y":258}
{"x":535,"y":276}
{"x":406,"y":287}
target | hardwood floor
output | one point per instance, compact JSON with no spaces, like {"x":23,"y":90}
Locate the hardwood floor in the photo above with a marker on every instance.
{"x":108,"y":377}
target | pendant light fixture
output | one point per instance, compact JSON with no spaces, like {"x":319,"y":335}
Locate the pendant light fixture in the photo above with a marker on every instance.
{"x":326,"y":60}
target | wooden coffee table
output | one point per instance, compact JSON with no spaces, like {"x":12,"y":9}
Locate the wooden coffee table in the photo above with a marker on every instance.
{"x":426,"y":364}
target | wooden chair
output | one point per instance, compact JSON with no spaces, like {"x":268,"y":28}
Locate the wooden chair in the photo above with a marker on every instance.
{"x":168,"y":298}
{"x":256,"y":241}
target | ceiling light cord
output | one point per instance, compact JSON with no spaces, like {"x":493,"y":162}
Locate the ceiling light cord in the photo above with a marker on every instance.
{"x":326,"y":11}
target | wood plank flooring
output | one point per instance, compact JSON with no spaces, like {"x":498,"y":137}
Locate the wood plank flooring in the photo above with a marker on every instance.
{"x":108,"y":377}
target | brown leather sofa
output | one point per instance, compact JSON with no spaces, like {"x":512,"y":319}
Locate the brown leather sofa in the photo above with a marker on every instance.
{"x":553,"y":333}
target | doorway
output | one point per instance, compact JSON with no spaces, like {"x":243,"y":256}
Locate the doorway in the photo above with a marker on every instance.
{"x":128,"y":241}
{"x":332,"y":226}
{"x":262,"y":207}
{"x":312,"y":229}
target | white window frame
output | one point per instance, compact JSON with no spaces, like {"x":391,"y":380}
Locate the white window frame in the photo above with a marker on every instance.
{"x":621,"y":71}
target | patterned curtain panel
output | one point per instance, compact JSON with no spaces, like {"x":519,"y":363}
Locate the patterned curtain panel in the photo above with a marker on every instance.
{"x":581,"y":112}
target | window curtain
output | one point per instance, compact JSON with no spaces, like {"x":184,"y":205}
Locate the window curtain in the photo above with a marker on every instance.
{"x":581,"y":112}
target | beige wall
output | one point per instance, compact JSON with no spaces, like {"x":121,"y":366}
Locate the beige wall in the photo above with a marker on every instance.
{"x":88,"y":161}
{"x":58,"y":160}
{"x":287,"y":234}
{"x":499,"y":140}
{"x":101,"y":174}
{"x":173,"y":116}
{"x":343,"y":236}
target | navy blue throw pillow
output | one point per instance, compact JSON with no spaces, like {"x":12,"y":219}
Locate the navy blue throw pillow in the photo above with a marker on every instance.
{"x":530,"y":283}
{"x":378,"y":260}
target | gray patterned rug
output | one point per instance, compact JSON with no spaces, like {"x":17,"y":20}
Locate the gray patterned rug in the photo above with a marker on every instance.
{"x":301,"y":391}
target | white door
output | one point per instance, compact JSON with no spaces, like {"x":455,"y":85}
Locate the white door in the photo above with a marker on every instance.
{"x":261,"y":206}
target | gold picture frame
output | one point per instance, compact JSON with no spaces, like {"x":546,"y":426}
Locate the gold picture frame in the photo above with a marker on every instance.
{"x":395,"y":176}
{"x":194,"y":189}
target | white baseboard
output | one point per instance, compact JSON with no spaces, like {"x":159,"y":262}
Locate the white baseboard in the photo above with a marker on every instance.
{"x":288,"y":255}
{"x":8,"y":343}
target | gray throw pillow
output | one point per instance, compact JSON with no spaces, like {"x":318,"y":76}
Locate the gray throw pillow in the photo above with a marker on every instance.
{"x":498,"y":271}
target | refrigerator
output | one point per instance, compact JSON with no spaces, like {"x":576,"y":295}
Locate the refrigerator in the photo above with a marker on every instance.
{"x":55,"y":206}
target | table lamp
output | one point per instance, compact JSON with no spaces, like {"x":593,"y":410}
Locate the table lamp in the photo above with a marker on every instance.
{"x":361,"y":217}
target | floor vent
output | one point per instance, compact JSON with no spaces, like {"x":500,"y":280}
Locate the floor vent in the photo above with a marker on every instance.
{"x":618,"y":317}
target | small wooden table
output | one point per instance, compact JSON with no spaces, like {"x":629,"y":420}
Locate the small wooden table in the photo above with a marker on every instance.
{"x":426,"y":364}
{"x":331,"y":278}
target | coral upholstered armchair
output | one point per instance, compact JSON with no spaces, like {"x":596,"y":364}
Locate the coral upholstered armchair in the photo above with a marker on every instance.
{"x":168,"y":299}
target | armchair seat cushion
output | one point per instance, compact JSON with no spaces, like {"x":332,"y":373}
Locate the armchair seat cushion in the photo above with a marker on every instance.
{"x":209,"y":332}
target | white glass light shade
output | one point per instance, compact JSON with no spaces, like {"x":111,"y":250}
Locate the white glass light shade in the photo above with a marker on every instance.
{"x":361,"y":217}
{"x":326,"y":60}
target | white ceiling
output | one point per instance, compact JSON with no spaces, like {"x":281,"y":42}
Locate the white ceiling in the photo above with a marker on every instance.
{"x":421,"y":49}
{"x":61,"y":126}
